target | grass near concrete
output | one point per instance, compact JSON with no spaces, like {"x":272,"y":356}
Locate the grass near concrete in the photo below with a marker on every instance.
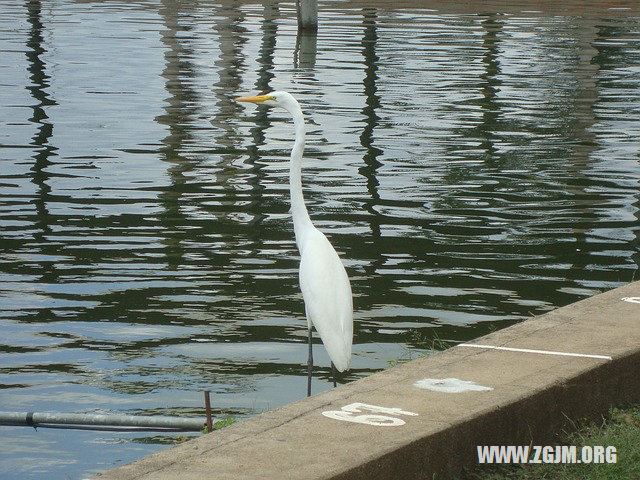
{"x":225,"y":422}
{"x":431,"y":344}
{"x":621,"y":430}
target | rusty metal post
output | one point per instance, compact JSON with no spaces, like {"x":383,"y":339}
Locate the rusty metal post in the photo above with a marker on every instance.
{"x":207,"y":406}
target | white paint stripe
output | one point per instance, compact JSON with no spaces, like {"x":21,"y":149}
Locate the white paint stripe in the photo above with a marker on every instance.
{"x":631,"y":299}
{"x":542,"y":352}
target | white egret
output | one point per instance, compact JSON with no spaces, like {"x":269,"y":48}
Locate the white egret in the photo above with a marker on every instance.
{"x":323,"y":280}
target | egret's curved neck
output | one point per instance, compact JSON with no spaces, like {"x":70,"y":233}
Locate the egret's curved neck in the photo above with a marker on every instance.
{"x":301,"y":220}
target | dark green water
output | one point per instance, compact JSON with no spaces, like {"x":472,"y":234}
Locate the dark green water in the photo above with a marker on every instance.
{"x":472,"y":167}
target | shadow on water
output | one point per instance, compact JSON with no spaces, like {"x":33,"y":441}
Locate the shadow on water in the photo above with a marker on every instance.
{"x":472,"y":167}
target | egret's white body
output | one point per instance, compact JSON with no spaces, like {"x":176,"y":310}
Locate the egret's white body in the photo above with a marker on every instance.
{"x":327,"y":296}
{"x":323,"y":280}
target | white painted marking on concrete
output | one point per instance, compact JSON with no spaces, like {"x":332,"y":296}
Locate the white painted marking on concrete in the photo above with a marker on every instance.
{"x":346,"y":414}
{"x":542,"y":352}
{"x":631,"y":299}
{"x":450,"y":385}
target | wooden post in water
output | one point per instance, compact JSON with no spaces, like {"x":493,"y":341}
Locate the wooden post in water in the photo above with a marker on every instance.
{"x":307,"y":14}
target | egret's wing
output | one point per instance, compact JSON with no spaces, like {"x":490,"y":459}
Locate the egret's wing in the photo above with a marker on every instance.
{"x":327,"y":297}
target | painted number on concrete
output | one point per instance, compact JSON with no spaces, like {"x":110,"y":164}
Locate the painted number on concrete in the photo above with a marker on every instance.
{"x":349,"y":413}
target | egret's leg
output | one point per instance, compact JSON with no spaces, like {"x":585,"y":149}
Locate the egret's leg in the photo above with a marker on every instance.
{"x":309,"y":366}
{"x":333,"y":372}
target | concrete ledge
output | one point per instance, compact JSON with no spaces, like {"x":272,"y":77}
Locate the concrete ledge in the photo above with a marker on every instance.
{"x":432,"y":434}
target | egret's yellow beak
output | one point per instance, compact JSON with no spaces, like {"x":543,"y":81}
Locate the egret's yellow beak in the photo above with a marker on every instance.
{"x":256,"y":99}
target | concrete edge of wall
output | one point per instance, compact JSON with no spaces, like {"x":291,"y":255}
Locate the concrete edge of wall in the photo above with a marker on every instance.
{"x":527,"y":383}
